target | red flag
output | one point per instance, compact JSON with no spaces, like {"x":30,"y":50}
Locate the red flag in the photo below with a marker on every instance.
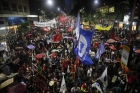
{"x":57,"y":38}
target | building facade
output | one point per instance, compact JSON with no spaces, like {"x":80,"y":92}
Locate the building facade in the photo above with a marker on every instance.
{"x":15,"y":7}
{"x":12,"y":14}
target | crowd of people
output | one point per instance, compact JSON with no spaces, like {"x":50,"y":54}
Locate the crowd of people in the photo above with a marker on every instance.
{"x":40,"y":58}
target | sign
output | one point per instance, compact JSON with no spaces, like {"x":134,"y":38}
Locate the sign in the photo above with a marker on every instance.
{"x":125,"y":56}
{"x":50,"y":23}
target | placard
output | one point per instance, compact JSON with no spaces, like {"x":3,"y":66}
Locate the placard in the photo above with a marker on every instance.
{"x":125,"y":56}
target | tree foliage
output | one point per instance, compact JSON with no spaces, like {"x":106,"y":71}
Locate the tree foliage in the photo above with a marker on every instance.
{"x":24,"y":27}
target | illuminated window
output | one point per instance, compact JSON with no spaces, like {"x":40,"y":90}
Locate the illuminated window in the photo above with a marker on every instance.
{"x":111,"y":9}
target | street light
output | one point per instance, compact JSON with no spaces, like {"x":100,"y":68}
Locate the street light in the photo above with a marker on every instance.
{"x":96,"y":1}
{"x":50,"y":2}
{"x":58,"y":9}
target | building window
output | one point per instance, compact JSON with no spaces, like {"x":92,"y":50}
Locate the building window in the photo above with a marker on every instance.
{"x":1,"y":22}
{"x":20,"y":8}
{"x":25,"y":9}
{"x":5,"y":5}
{"x":14,"y":8}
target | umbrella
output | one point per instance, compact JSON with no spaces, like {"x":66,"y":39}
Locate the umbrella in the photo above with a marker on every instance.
{"x":110,"y":41}
{"x":29,"y":34}
{"x":18,"y":88}
{"x":137,"y":51}
{"x":2,"y":48}
{"x":112,"y":47}
{"x":39,"y":56}
{"x":18,"y":47}
{"x":31,"y":47}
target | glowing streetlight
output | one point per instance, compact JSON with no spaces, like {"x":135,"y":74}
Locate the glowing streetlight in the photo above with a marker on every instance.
{"x":96,"y":1}
{"x":50,"y":2}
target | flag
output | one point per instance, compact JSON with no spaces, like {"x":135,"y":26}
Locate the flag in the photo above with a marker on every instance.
{"x":103,"y":78}
{"x":97,"y":85}
{"x":83,"y":46}
{"x":63,"y":85}
{"x":57,"y":38}
{"x":100,"y":50}
{"x":77,"y":26}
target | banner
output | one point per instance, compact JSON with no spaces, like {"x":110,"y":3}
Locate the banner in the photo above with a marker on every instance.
{"x":50,"y":23}
{"x":100,"y":28}
{"x":83,"y":46}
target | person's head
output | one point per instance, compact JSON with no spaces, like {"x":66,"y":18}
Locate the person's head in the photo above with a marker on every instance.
{"x":111,"y":91}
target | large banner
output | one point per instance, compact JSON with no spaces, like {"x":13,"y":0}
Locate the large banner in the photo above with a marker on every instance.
{"x":125,"y":56}
{"x":100,"y":28}
{"x":50,"y":23}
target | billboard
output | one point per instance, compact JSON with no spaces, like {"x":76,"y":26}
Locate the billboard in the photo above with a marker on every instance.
{"x":15,"y":20}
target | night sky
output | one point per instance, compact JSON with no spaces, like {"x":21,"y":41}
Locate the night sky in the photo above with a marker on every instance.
{"x":88,"y":5}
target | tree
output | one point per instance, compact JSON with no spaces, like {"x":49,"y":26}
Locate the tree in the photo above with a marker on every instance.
{"x":24,"y":27}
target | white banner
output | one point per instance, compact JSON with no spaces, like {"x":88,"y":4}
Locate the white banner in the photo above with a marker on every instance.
{"x":50,"y":23}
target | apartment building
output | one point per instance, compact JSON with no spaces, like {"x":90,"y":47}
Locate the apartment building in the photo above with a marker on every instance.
{"x":13,"y":13}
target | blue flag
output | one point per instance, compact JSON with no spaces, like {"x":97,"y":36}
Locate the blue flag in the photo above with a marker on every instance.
{"x":100,"y":50}
{"x":83,"y":46}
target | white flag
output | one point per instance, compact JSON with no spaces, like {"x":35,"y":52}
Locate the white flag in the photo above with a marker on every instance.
{"x":103,"y":78}
{"x":63,"y":85}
